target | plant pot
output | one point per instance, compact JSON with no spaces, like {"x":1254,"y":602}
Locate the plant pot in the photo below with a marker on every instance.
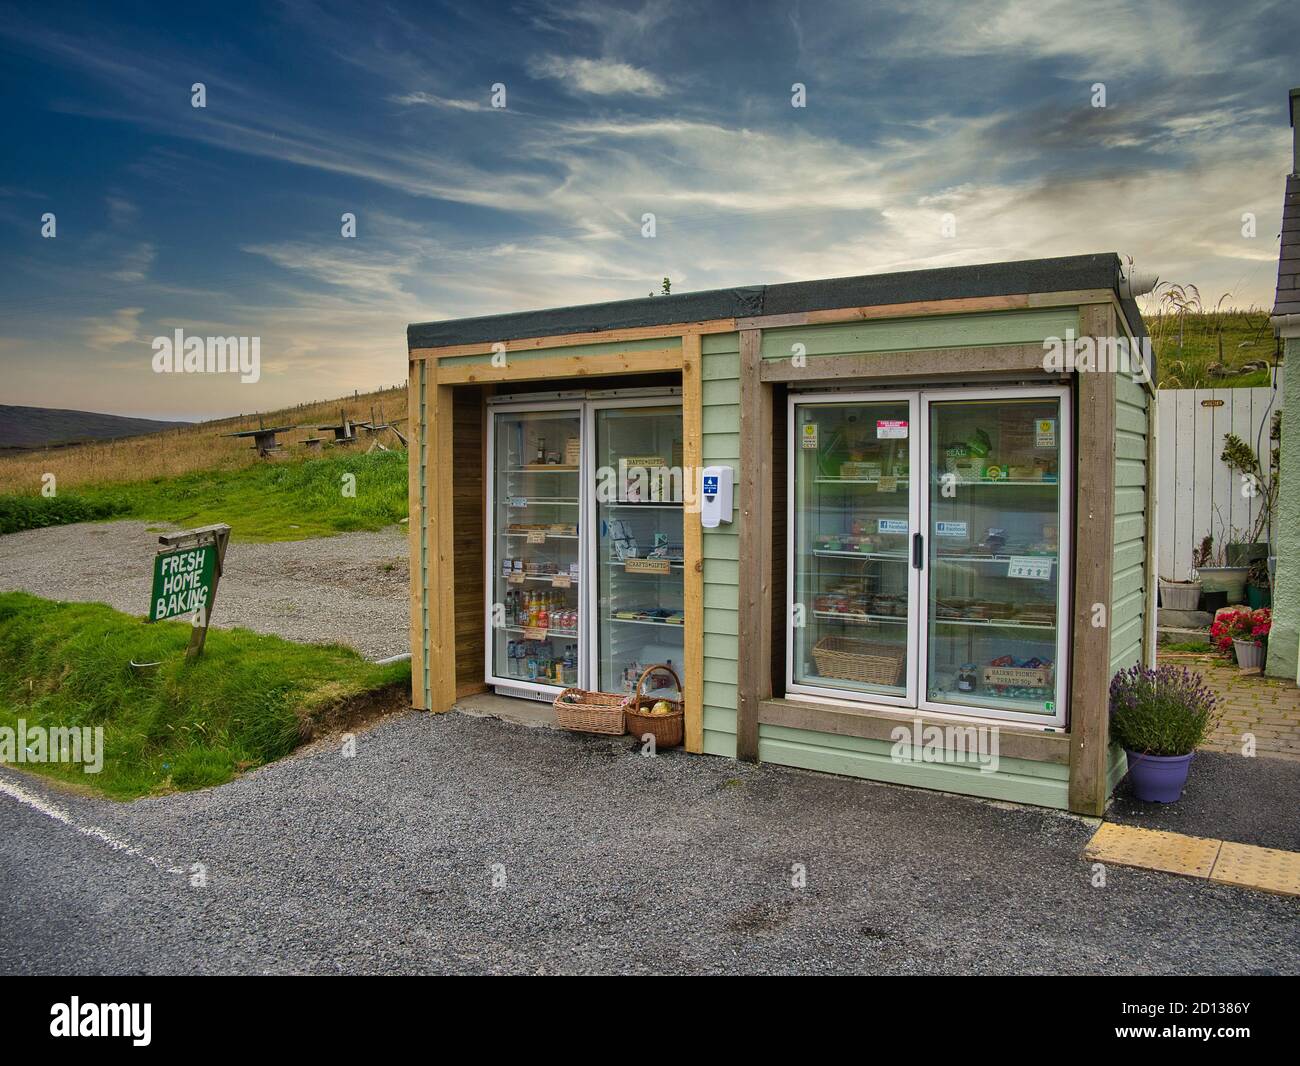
{"x":1243,"y":554}
{"x":1250,"y":654}
{"x":1229,"y":579}
{"x":1158,"y":778}
{"x":1257,"y":596}
{"x":1180,"y":595}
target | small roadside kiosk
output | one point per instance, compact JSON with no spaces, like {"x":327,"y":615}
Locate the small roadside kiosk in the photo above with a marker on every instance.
{"x":939,"y":546}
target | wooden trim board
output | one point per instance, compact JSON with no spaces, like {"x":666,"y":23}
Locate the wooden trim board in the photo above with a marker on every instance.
{"x":693,"y":540}
{"x":1094,"y":560}
{"x":878,"y":724}
{"x":415,"y":529}
{"x":442,"y":562}
{"x":566,"y":367}
{"x":754,"y":592}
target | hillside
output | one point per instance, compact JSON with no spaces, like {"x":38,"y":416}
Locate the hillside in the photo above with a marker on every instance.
{"x":187,"y":448}
{"x":37,"y":427}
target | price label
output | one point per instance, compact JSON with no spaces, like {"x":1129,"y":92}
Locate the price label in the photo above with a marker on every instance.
{"x":516,"y":501}
{"x":561,"y":581}
{"x":648,"y":566}
{"x":887,"y":483}
{"x":537,"y":536}
{"x":534,"y":633}
{"x":1031,"y":567}
{"x":516,"y":578}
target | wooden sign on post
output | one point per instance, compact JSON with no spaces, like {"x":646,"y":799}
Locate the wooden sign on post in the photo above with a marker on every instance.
{"x":185,"y":578}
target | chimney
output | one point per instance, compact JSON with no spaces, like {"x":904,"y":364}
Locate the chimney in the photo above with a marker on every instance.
{"x":1295,"y":132}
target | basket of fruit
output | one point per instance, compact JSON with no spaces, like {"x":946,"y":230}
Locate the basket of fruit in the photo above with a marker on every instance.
{"x":665,"y":719}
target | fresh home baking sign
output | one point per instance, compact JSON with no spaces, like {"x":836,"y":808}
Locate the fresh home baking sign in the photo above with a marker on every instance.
{"x":182,"y":582}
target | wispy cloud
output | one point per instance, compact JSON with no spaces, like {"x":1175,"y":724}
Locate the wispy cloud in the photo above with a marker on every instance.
{"x":598,"y":77}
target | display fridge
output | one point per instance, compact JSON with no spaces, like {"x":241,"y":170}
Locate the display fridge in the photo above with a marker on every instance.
{"x":584,"y":572}
{"x":929,"y":550}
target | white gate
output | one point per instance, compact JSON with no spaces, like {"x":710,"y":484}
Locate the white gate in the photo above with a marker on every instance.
{"x":1196,"y":492}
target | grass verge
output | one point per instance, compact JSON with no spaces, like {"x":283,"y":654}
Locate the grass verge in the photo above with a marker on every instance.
{"x":283,"y":500}
{"x":249,"y":700}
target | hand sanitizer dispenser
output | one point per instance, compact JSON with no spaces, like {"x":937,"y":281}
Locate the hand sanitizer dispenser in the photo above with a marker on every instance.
{"x":715,"y":496}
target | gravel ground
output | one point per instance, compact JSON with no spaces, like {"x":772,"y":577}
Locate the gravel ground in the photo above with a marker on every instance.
{"x":350,"y":589}
{"x":1228,"y":797}
{"x":613,"y":863}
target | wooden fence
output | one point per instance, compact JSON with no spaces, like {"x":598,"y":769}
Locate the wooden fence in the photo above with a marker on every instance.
{"x":1196,"y":492}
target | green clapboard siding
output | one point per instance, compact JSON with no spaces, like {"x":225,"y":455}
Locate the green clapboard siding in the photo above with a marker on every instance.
{"x":1130,"y":595}
{"x":720,"y":395}
{"x":905,"y":334}
{"x":1016,"y":780}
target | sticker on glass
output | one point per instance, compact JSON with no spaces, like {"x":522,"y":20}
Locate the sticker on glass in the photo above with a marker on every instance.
{"x":809,"y":438}
{"x":891,"y":525}
{"x":1030,"y":567}
{"x":1045,"y":433}
{"x":950,"y":529}
{"x":891,"y":429}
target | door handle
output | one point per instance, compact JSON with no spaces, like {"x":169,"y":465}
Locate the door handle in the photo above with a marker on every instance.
{"x":918,"y":550}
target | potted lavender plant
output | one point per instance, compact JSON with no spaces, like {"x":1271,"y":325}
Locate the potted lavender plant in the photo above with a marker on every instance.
{"x":1160,"y":717}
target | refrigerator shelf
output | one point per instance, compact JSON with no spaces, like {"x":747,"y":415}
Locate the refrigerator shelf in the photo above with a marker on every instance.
{"x":549,"y":536}
{"x":645,"y":622}
{"x":893,"y":557}
{"x":568,"y":633}
{"x":994,"y":623}
{"x":861,"y":619}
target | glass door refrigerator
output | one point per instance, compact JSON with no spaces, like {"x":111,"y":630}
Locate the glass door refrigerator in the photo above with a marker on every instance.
{"x":635,"y":597}
{"x":929,"y":550}
{"x":997,"y":504}
{"x":535,"y":562}
{"x":584,"y":572}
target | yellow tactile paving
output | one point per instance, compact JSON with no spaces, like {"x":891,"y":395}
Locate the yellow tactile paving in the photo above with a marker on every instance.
{"x":1153,"y":849}
{"x":1255,"y":867}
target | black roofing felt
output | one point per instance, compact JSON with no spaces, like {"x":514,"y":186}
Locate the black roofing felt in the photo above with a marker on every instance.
{"x":1288,"y":264}
{"x":1098,"y":271}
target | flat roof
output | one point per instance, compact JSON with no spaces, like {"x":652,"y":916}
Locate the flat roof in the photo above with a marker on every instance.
{"x":1100,"y":270}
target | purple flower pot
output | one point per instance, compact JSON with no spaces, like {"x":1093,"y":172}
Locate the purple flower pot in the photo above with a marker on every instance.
{"x":1158,"y":778}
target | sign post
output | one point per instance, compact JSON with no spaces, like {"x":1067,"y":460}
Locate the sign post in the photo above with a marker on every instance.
{"x":186,"y":572}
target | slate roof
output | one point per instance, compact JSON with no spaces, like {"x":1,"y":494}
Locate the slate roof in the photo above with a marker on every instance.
{"x":1288,"y":263}
{"x":1064,"y":274}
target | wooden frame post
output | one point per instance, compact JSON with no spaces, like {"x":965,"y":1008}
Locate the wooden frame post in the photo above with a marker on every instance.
{"x":1094,"y":557}
{"x":754,"y":593}
{"x":440,"y":508}
{"x":693,"y":538}
{"x":417,"y":457}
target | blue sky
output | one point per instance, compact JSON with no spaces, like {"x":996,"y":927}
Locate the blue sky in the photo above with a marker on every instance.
{"x":226,"y":219}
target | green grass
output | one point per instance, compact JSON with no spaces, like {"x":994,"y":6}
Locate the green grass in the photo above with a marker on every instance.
{"x":1214,"y":347}
{"x":248,"y":700}
{"x":284,"y":500}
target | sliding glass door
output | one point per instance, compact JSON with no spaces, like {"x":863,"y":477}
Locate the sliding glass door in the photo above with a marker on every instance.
{"x":928,"y":558}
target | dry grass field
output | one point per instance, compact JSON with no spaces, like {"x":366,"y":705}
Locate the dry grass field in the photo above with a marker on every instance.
{"x":175,"y":452}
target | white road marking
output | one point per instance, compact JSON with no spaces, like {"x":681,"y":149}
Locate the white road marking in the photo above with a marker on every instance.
{"x":51,"y":810}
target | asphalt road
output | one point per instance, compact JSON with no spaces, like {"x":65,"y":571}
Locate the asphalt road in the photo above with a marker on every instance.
{"x":612,"y":862}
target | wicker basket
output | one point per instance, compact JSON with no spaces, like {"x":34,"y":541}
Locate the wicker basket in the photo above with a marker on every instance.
{"x":859,"y":660}
{"x":669,"y":730}
{"x":590,"y":712}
